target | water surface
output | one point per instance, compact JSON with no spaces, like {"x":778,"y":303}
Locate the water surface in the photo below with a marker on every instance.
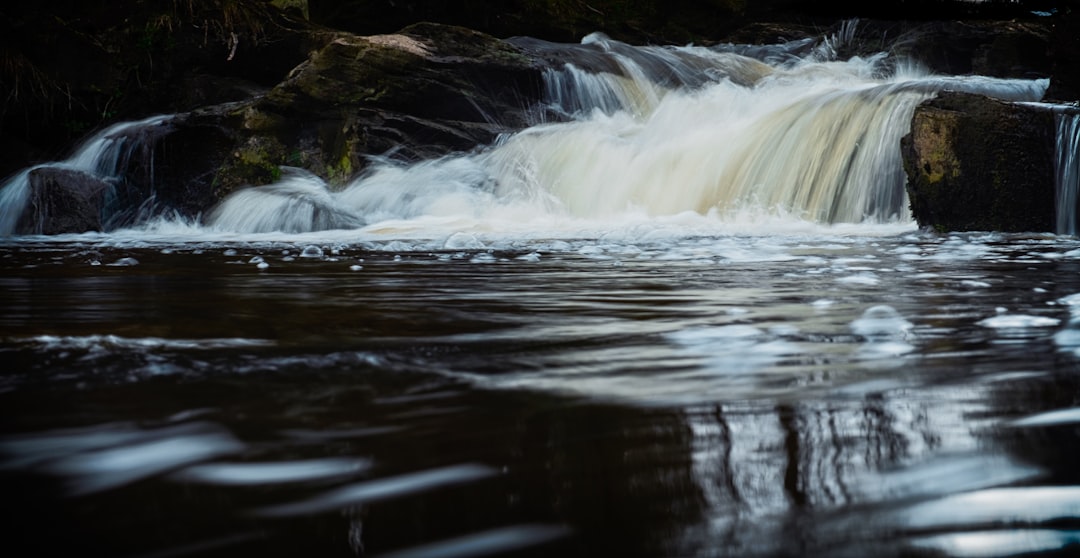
{"x":826,"y":392}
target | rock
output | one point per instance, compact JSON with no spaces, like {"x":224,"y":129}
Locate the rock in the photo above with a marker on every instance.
{"x":977,"y":164}
{"x":63,"y":201}
{"x":989,"y":48}
{"x":194,"y":160}
{"x":1015,"y":49}
{"x":166,"y":165}
{"x":424,"y":92}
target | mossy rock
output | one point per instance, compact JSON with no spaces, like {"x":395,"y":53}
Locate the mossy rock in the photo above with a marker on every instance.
{"x":978,"y":164}
{"x":254,"y":163}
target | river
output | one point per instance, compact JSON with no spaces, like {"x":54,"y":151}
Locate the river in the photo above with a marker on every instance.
{"x":599,"y":352}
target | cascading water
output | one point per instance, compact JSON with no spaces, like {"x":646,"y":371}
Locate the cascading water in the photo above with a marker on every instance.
{"x":1067,"y":171}
{"x":726,"y":132}
{"x":104,"y":155}
{"x":666,"y":131}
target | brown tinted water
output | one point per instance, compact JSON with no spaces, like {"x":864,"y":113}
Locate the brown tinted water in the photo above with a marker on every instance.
{"x":836,"y":395}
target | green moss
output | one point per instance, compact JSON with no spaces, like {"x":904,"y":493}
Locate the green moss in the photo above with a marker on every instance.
{"x":341,"y":170}
{"x":255,"y":163}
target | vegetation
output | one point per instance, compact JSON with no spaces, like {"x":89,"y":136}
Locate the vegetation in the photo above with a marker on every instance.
{"x":69,"y":66}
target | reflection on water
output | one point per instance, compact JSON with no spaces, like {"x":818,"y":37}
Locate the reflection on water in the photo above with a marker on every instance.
{"x":832,"y":395}
{"x":382,"y":489}
{"x":269,"y":473}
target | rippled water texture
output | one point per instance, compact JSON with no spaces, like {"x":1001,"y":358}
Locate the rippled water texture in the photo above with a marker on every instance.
{"x":826,"y":392}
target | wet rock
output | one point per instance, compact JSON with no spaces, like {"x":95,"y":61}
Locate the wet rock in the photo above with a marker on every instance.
{"x":424,"y":92}
{"x":977,"y":164}
{"x":1007,"y":48}
{"x":638,"y":21}
{"x":994,"y":48}
{"x":191,"y":162}
{"x":63,"y":201}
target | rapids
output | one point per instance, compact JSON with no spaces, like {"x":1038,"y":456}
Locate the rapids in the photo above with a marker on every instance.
{"x":785,"y":131}
{"x":686,"y":129}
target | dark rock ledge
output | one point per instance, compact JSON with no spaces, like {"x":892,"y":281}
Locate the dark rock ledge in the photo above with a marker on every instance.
{"x":978,"y":164}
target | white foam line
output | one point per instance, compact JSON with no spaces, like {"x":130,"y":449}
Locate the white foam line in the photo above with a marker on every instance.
{"x":381,"y":489}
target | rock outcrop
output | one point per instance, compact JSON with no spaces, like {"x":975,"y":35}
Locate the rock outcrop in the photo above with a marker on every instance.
{"x":1008,"y":49}
{"x":977,"y":164}
{"x":420,"y":93}
{"x":424,"y":92}
{"x":63,"y":201}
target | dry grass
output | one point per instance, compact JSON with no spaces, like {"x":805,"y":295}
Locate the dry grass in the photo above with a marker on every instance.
{"x":226,"y":21}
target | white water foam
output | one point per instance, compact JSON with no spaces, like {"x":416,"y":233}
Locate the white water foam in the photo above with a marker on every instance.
{"x":102,"y":155}
{"x":722,"y":136}
{"x":668,"y":141}
{"x":1067,"y":171}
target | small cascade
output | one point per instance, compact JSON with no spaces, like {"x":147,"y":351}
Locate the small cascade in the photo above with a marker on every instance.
{"x":14,"y":196}
{"x":574,"y":92}
{"x":635,"y":79}
{"x":1067,"y":171}
{"x":819,"y":141}
{"x":298,"y":203}
{"x":105,"y":156}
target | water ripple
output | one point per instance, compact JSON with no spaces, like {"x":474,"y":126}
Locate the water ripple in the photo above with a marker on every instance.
{"x":381,"y":489}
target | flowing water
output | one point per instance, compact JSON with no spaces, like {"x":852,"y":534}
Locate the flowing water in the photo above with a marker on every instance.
{"x":693,"y":320}
{"x":1067,"y":170}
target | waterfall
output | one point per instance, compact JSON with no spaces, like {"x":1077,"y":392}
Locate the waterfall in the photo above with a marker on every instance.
{"x":820,"y":142}
{"x":298,"y":203}
{"x":14,"y":195}
{"x":728,"y":132}
{"x":1067,"y":170}
{"x":663,"y":131}
{"x":105,"y":155}
{"x":635,"y":79}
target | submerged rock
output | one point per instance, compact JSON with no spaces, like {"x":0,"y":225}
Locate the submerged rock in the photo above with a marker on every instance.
{"x":974,"y":163}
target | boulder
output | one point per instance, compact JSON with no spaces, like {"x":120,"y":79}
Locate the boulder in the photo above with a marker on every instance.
{"x":424,"y":92}
{"x":191,"y":162}
{"x":978,"y":164}
{"x":1013,"y":49}
{"x":63,"y":201}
